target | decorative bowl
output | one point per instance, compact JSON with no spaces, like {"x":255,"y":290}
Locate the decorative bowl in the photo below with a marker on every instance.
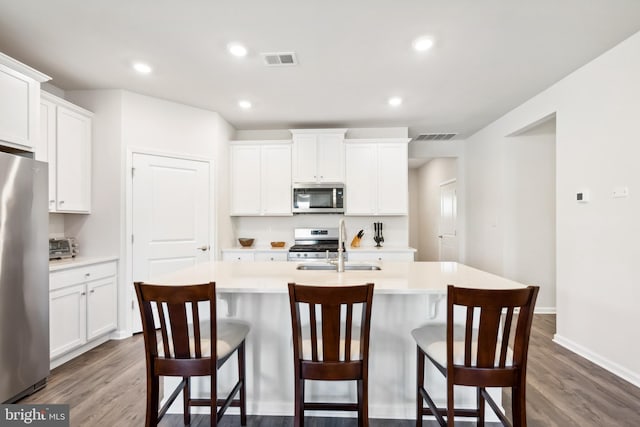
{"x":245,"y":242}
{"x":277,"y":244}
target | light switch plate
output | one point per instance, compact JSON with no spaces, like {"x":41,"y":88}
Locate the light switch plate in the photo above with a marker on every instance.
{"x":620,"y":192}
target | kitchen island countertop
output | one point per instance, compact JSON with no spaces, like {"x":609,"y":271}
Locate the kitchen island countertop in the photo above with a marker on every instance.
{"x":394,"y":277}
{"x":406,"y":295}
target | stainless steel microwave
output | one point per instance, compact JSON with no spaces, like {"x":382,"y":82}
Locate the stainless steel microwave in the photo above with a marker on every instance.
{"x":318,"y":198}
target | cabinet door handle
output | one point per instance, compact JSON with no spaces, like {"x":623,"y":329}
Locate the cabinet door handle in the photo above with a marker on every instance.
{"x":204,"y":248}
{"x":61,"y":201}
{"x":87,"y":274}
{"x":83,"y":293}
{"x":52,"y":201}
{"x":92,"y":291}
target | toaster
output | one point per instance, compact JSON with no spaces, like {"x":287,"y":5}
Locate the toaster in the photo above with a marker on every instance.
{"x":62,"y":248}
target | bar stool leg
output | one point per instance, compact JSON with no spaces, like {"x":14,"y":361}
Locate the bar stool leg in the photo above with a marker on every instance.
{"x":420,"y":384}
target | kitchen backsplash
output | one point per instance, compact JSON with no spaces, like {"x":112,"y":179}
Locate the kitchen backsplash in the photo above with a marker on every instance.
{"x":268,"y":229}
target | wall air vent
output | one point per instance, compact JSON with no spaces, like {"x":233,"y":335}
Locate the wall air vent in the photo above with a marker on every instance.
{"x":279,"y":59}
{"x":434,"y":136}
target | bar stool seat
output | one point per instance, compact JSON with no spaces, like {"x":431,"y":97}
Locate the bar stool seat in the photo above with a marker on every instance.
{"x":231,"y":333}
{"x":432,"y":339}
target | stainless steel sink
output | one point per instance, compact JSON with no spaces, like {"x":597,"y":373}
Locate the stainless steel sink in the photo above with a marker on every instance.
{"x":347,"y":267}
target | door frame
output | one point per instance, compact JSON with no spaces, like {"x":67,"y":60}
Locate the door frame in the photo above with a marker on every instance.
{"x":129,"y":293}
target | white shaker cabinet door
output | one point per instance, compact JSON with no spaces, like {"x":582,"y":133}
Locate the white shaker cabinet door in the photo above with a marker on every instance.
{"x":276,"y":180}
{"x":102,"y":307}
{"x":67,"y":314}
{"x":46,"y":149}
{"x":330,"y":152}
{"x":73,"y":161}
{"x":245,"y":180}
{"x":19,"y":100}
{"x":393,"y":184}
{"x":304,"y":158}
{"x":361,"y":179}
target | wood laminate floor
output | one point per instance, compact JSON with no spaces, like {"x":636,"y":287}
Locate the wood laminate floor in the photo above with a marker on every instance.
{"x":106,"y":387}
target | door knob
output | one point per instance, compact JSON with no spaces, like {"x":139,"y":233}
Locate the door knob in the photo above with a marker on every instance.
{"x":440,"y":236}
{"x":204,"y":248}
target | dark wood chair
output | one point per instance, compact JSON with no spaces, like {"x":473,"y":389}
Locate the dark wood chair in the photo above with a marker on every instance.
{"x":325,"y":346}
{"x":489,"y":350}
{"x":186,"y":345}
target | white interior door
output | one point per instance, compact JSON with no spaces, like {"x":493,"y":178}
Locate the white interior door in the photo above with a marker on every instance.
{"x":170,"y":224}
{"x":448,"y":236}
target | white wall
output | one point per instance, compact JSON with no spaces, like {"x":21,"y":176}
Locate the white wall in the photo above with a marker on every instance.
{"x":430,"y":176}
{"x":99,"y":234}
{"x":596,"y":246}
{"x":414,"y":212}
{"x":530,"y":211}
{"x":125,"y":122}
{"x":154,"y":125}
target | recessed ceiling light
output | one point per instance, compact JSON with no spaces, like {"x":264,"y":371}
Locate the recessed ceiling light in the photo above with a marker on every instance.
{"x":236,"y":49}
{"x":394,"y":101}
{"x":142,"y":68}
{"x":422,"y":44}
{"x":245,"y":105}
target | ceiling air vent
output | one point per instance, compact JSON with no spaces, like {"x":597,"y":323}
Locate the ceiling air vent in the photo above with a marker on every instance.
{"x":279,"y":59}
{"x":435,"y":136}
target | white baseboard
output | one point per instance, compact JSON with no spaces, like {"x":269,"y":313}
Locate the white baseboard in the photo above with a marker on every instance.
{"x":603,"y":362}
{"x":544,"y":310}
{"x":120,"y":334}
{"x":54,"y":363}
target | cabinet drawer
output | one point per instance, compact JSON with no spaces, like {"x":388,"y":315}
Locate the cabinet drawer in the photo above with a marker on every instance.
{"x":238,"y":255}
{"x":60,"y":279}
{"x":271,"y":256}
{"x":381,"y":255}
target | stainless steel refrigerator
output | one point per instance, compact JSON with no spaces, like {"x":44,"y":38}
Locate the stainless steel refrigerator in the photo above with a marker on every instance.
{"x":24,"y":276}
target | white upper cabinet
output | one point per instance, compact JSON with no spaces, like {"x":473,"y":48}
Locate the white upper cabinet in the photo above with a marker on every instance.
{"x":377,"y":177}
{"x":46,"y":148}
{"x":65,"y":143}
{"x":318,"y":155}
{"x":260,"y":178}
{"x":19,"y":101}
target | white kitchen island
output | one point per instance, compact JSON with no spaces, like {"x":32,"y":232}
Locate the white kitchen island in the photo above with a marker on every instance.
{"x":406,"y":295}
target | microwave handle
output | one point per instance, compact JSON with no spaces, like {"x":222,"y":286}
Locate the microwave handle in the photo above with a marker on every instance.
{"x":335,"y":198}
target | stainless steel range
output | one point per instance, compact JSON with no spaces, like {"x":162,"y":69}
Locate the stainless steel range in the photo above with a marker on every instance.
{"x":314,"y":244}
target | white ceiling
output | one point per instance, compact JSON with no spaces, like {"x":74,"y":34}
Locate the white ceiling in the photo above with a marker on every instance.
{"x":489,"y":56}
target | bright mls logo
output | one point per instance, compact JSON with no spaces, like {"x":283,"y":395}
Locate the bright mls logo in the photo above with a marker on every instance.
{"x":34,"y":415}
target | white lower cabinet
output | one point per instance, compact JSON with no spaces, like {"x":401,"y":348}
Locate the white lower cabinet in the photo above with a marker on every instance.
{"x":271,"y":256}
{"x":381,"y":255}
{"x":82,"y":306}
{"x":238,"y":255}
{"x":253,"y":255}
{"x":67,"y":319}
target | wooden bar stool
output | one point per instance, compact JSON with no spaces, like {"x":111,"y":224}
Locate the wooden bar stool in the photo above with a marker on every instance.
{"x":186,"y":347}
{"x":489,"y":352}
{"x":324,"y":345}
